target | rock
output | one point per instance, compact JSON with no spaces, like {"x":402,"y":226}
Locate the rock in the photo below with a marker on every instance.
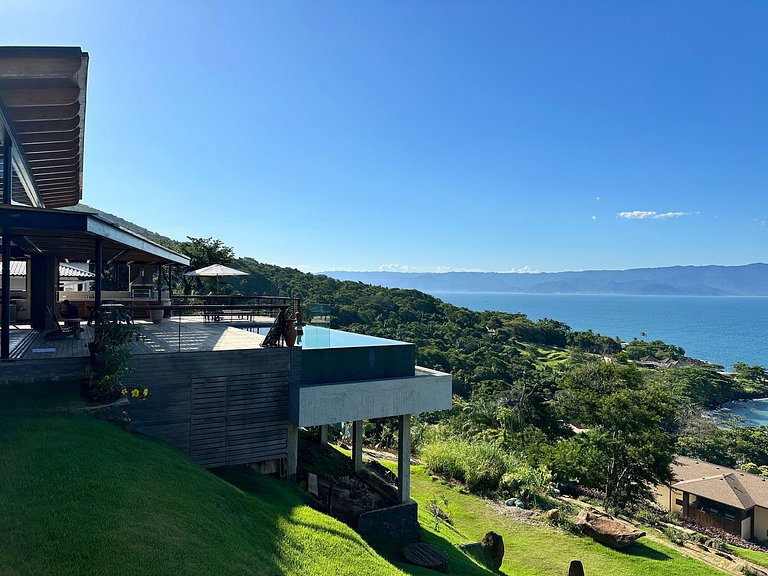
{"x":724,"y":555}
{"x":607,"y":530}
{"x":511,"y":502}
{"x":493,"y":544}
{"x":553,"y":515}
{"x":576,"y":568}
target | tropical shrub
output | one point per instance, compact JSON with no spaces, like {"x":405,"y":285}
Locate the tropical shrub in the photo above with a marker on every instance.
{"x":480,"y":465}
{"x":110,"y":357}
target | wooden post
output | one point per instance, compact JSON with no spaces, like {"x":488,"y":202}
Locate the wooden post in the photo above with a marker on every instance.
{"x":357,"y":446}
{"x":404,"y":458}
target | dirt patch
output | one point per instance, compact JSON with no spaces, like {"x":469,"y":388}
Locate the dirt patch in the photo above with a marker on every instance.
{"x":519,"y":514}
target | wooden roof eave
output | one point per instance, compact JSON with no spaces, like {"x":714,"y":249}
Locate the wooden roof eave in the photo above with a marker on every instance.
{"x":43,"y":94}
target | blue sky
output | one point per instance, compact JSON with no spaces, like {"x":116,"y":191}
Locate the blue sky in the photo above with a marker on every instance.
{"x":429,"y":135}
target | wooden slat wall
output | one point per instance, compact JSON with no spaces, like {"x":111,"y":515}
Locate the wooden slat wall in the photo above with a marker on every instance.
{"x":221,"y":408}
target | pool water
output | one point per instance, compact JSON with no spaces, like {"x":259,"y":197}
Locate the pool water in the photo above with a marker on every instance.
{"x":319,"y":337}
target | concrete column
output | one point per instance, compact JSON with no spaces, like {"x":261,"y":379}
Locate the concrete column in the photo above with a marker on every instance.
{"x":292,"y":451}
{"x":404,"y":458}
{"x":357,"y":446}
{"x":324,"y":435}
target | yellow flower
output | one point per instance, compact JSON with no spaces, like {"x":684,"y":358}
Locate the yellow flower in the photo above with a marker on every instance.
{"x":124,"y":391}
{"x":146,"y":392}
{"x":135,"y":393}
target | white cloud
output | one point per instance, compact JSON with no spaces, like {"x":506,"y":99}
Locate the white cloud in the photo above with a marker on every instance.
{"x":398,"y":268}
{"x":444,"y":269}
{"x":649,"y":215}
{"x":594,"y":217}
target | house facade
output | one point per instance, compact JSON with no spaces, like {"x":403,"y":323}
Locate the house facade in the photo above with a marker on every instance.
{"x":717,"y":496}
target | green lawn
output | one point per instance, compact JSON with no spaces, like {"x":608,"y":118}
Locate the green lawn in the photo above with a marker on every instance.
{"x":535,"y":550}
{"x":81,"y":496}
{"x":759,"y":558}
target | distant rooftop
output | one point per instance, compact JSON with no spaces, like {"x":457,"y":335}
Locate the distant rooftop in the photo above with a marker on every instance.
{"x":734,"y":488}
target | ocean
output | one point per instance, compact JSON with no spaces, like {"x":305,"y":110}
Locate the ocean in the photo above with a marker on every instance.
{"x":718,"y":329}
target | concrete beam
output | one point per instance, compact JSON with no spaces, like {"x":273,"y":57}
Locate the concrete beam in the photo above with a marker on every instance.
{"x":404,"y":458}
{"x":357,"y":446}
{"x":427,"y":391}
{"x":292,"y":450}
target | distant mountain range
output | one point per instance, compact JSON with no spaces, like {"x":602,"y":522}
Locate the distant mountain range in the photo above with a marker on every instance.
{"x":748,"y":280}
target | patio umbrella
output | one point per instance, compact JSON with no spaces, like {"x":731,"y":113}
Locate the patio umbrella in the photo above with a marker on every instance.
{"x":216,"y":270}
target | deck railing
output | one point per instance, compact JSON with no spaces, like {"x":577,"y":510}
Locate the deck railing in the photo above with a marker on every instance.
{"x":261,"y":317}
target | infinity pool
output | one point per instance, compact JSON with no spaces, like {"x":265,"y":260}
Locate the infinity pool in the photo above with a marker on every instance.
{"x":318,"y":337}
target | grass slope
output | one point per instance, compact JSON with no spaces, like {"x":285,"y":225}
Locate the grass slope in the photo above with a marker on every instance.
{"x":536,"y":550}
{"x":80,"y":496}
{"x":759,"y":558}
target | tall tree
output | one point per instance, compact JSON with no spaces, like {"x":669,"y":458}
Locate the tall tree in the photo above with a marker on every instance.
{"x":203,"y":252}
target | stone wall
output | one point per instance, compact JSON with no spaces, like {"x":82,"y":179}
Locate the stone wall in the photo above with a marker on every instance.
{"x":395,"y":523}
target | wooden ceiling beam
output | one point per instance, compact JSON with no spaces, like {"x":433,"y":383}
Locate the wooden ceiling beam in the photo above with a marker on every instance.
{"x":39,"y":67}
{"x":45,"y":126}
{"x":58,"y":155}
{"x":21,"y":114}
{"x":56,"y":166}
{"x":31,"y":149}
{"x":43,"y":173}
{"x":26,"y":98}
{"x":49,"y":137}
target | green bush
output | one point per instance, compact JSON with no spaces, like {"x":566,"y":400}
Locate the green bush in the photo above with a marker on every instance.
{"x":445,"y":458}
{"x":480,"y":465}
{"x":647,"y":517}
{"x":717,"y":544}
{"x":509,"y":485}
{"x":673,"y":517}
{"x":676,"y":536}
{"x":485,"y":465}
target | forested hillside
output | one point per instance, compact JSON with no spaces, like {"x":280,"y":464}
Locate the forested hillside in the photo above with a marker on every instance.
{"x":534,"y":400}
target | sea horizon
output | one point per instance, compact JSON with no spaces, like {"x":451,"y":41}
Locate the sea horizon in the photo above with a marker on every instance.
{"x":718,"y":329}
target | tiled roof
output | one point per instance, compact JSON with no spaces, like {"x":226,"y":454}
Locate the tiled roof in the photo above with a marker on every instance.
{"x":720,"y":484}
{"x":19,"y":268}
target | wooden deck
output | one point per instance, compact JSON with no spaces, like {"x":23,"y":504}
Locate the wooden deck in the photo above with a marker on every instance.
{"x":188,"y":334}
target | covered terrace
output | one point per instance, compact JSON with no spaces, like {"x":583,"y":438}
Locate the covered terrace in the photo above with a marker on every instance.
{"x":42,"y":127}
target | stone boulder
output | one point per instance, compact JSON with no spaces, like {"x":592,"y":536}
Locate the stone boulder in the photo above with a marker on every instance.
{"x":607,"y":530}
{"x":493,"y":544}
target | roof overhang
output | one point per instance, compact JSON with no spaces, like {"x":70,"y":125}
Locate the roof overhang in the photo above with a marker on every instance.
{"x":73,"y":235}
{"x":42,"y":107}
